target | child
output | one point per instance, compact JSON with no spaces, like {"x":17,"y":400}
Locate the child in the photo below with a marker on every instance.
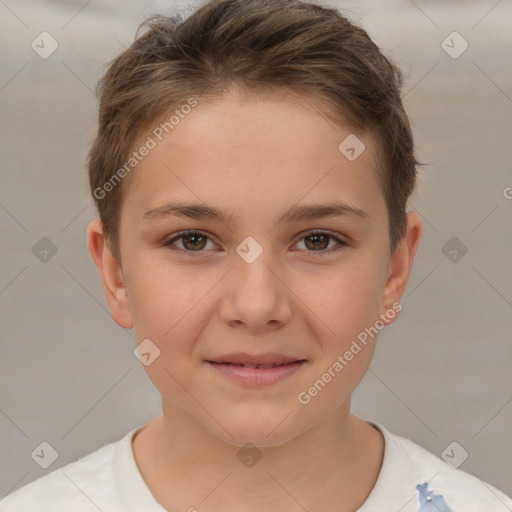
{"x":251,"y":172}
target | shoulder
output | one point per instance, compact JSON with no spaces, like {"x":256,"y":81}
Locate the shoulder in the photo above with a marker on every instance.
{"x":434,"y":481}
{"x":79,"y":486}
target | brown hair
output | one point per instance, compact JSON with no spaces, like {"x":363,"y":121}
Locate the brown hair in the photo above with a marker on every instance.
{"x":259,"y":46}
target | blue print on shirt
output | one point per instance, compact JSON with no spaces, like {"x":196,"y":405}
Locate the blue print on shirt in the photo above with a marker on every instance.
{"x":430,"y":502}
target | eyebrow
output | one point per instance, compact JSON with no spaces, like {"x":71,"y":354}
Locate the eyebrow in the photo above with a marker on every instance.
{"x":295,"y":213}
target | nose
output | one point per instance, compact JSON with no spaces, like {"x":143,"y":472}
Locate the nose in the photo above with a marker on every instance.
{"x":256,"y":295}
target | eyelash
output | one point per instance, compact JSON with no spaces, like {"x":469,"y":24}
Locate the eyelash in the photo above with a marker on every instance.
{"x":341,"y":244}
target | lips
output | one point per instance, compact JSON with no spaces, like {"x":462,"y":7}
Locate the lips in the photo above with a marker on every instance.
{"x":255,"y":371}
{"x":262,"y":361}
{"x":258,"y":366}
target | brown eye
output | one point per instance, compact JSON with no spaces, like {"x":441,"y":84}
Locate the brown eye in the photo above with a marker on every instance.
{"x":318,"y":241}
{"x":192,"y":241}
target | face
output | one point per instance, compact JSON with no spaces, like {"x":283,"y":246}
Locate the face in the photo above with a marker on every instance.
{"x":264,"y":278}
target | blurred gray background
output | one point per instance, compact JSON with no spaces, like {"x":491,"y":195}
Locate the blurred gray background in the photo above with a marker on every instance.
{"x":68,"y":374}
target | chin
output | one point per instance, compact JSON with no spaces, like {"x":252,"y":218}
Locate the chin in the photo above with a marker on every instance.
{"x":262,"y":430}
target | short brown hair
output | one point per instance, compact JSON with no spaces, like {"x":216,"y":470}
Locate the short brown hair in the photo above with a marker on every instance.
{"x":258,"y":46}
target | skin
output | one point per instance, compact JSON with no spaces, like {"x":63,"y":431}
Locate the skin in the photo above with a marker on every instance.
{"x":255,"y":158}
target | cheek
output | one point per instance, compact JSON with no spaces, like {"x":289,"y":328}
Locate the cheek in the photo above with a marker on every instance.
{"x":168,"y":311}
{"x":171,"y":306}
{"x":348,"y":309}
{"x":163,"y":293}
{"x":346,"y":299}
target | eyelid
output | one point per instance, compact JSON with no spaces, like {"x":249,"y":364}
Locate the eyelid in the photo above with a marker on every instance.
{"x":337,"y":236}
{"x":187,"y":232}
{"x":341,"y":241}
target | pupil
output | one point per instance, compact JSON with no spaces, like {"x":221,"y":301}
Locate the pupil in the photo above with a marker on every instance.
{"x":316,"y":237}
{"x":190,"y":237}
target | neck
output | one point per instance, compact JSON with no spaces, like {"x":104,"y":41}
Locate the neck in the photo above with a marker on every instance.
{"x":333,"y":466}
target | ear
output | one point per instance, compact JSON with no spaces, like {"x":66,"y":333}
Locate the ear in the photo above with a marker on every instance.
{"x":111,"y":275}
{"x":400,"y":266}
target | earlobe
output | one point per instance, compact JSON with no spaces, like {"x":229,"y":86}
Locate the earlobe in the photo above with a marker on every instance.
{"x":400,"y":264}
{"x":111,"y":275}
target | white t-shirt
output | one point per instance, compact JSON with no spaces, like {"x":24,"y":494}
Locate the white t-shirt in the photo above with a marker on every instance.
{"x":108,"y":480}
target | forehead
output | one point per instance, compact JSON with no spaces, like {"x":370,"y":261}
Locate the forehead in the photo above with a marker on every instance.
{"x":240,"y":149}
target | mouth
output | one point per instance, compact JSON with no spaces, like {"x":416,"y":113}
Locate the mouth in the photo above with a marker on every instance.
{"x":261,"y":361}
{"x":256,"y":371}
{"x":258,"y":366}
